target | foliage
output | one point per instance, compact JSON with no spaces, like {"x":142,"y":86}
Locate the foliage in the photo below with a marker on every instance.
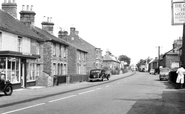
{"x":143,"y":62}
{"x":125,"y":59}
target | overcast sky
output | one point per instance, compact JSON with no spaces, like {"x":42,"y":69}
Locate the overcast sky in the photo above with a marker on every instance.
{"x":125,"y":27}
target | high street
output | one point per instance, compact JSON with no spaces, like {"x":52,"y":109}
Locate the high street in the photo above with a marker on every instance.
{"x":140,"y":93}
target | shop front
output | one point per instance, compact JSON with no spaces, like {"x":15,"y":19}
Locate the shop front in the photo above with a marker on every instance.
{"x":20,"y":69}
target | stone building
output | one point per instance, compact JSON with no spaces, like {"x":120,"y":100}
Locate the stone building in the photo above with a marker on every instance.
{"x":20,"y":49}
{"x":111,"y":62}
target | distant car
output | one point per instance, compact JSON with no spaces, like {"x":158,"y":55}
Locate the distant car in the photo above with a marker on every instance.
{"x":152,"y":71}
{"x":164,"y":73}
{"x":99,"y":74}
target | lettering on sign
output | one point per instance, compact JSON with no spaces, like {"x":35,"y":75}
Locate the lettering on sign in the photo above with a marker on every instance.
{"x":178,"y":13}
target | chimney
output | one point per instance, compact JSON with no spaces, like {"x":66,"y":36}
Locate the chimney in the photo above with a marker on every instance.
{"x":27,"y":15}
{"x":63,"y":34}
{"x":72,"y":31}
{"x":10,"y":7}
{"x":47,"y":25}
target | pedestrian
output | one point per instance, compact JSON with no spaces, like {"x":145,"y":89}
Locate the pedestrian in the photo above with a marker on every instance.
{"x":180,"y":77}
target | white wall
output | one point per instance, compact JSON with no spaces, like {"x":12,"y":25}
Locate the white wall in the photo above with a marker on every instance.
{"x":10,"y":42}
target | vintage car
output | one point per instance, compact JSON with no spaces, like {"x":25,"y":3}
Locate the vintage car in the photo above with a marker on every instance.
{"x":164,"y":73}
{"x":99,"y":74}
{"x":5,"y":85}
{"x":152,"y":71}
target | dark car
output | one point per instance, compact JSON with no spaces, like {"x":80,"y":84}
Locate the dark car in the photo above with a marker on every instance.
{"x":5,"y":86}
{"x":99,"y":74}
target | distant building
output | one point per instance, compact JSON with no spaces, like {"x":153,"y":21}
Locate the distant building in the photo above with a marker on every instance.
{"x":111,"y":62}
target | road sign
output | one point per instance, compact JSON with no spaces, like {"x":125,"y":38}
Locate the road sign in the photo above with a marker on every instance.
{"x":178,"y":13}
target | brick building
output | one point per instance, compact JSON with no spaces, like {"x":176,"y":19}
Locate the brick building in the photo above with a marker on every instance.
{"x":77,"y":60}
{"x":171,"y":59}
{"x":20,"y":49}
{"x":94,"y":55}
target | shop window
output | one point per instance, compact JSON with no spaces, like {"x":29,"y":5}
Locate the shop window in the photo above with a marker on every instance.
{"x":13,"y":70}
{"x":31,"y":70}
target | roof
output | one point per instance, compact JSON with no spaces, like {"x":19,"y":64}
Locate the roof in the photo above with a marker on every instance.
{"x":173,"y":51}
{"x":9,"y":24}
{"x":109,"y":58}
{"x":48,"y":37}
{"x":80,"y":43}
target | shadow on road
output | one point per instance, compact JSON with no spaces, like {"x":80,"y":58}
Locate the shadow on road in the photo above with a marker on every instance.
{"x":172,"y":102}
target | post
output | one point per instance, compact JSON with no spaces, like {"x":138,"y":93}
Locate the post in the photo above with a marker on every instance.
{"x":158,"y":58}
{"x":183,"y":46}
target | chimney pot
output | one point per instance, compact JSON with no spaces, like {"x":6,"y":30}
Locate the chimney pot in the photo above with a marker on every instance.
{"x":13,"y":1}
{"x":48,"y":19}
{"x":27,"y":7}
{"x":23,"y":7}
{"x":9,"y":1}
{"x":5,"y":1}
{"x":31,"y":8}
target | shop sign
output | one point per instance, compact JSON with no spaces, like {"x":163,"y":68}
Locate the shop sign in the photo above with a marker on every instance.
{"x":178,"y":13}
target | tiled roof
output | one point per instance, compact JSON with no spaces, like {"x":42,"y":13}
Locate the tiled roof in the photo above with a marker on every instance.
{"x":109,"y":58}
{"x":47,"y":36}
{"x":12,"y":25}
{"x":79,"y":42}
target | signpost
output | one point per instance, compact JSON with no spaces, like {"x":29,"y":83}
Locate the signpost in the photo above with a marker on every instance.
{"x":178,"y":13}
{"x":178,"y":18}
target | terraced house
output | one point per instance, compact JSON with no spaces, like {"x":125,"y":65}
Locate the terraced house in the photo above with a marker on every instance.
{"x":20,"y":49}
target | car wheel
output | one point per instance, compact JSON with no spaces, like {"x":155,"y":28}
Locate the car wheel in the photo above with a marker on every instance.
{"x":8,"y":90}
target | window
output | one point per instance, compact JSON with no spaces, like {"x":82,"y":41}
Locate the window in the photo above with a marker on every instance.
{"x":54,"y":49}
{"x":31,"y":70}
{"x":54,"y":68}
{"x":13,"y":70}
{"x":19,"y":44}
{"x":65,"y":52}
{"x":60,"y":50}
{"x":37,"y":48}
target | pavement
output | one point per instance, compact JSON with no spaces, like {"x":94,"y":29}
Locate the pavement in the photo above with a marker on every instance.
{"x":113,"y":77}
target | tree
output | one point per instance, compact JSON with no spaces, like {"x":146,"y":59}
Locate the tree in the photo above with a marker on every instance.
{"x":125,"y":59}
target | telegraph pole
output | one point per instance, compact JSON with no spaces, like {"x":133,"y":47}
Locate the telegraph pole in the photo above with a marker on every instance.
{"x":158,"y":58}
{"x":183,"y":46}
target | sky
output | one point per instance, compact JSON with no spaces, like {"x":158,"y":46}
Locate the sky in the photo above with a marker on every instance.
{"x":134,"y":28}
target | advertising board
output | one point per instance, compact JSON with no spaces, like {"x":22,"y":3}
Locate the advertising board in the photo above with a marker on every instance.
{"x":178,"y":13}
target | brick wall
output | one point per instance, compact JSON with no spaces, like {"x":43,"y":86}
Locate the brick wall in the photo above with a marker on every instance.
{"x":72,"y":60}
{"x":47,"y":48}
{"x":171,"y":58}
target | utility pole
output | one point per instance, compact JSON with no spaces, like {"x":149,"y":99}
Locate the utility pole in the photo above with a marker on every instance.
{"x":158,"y":58}
{"x":183,"y":46}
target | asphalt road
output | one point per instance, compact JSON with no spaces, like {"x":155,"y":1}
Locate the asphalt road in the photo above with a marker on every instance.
{"x":140,"y":93}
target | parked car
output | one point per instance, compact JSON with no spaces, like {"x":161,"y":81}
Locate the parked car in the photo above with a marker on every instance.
{"x":99,"y":74}
{"x":5,"y":85}
{"x":152,"y":71}
{"x":164,"y":73}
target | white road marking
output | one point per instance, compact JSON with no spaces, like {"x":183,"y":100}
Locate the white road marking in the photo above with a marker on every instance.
{"x":107,"y":86}
{"x":98,"y":88}
{"x":86,"y":92}
{"x":23,"y":108}
{"x":62,"y":98}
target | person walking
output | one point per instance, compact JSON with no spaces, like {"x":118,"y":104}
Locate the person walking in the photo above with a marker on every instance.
{"x":180,"y":77}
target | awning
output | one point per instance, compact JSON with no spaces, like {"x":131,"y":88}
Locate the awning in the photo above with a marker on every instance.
{"x":18,"y":54}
